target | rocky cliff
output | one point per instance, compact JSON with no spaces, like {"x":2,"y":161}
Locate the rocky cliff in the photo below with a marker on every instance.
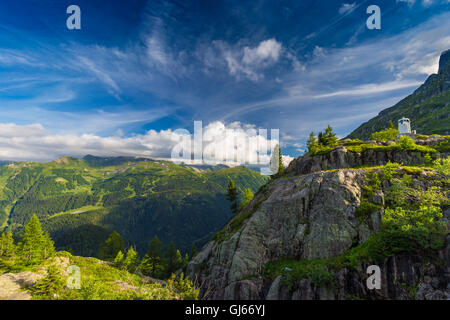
{"x":314,"y":217}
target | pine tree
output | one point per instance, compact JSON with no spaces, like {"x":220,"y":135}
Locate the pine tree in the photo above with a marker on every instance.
{"x":151,"y":264}
{"x":7,"y":247}
{"x":280,"y":163}
{"x":48,"y":246}
{"x":312,"y":143}
{"x":110,"y":248}
{"x":248,"y":196}
{"x":391,"y":125}
{"x":132,"y":260}
{"x":186,"y":260}
{"x":232,"y":196}
{"x":119,"y":260}
{"x":178,"y":260}
{"x":320,"y":139}
{"x":173,"y":260}
{"x":51,"y":284}
{"x":329,"y":138}
{"x":33,"y":241}
{"x":193,"y":252}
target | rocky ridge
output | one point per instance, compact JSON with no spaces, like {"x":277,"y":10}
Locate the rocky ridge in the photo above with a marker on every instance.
{"x":311,"y":214}
{"x":341,"y":157}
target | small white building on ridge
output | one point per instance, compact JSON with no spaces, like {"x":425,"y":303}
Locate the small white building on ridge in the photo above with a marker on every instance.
{"x":404,"y":126}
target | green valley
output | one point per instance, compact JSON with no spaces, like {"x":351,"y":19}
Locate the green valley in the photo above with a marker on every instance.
{"x":81,"y":201}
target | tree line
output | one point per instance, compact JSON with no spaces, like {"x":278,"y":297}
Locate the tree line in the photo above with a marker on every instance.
{"x":34,"y":246}
{"x":156,"y":263}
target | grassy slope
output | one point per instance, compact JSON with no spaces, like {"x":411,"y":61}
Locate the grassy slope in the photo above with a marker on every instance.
{"x":99,"y":281}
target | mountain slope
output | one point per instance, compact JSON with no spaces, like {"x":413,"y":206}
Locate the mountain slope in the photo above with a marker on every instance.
{"x":313,"y":235}
{"x":99,"y":280}
{"x":428,"y":107}
{"x":79,"y":201}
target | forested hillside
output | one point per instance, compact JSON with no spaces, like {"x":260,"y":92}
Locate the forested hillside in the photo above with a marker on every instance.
{"x":80,"y":201}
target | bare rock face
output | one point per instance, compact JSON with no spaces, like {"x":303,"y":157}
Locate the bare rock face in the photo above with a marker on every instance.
{"x":12,"y":284}
{"x":280,"y":227}
{"x":307,"y":217}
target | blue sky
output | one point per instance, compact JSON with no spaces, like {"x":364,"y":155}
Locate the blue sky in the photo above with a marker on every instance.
{"x":137,"y":70}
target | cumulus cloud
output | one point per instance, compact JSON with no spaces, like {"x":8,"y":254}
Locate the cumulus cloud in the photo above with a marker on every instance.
{"x":267,"y":50}
{"x":237,"y":143}
{"x":232,"y":144}
{"x":11,"y":130}
{"x":249,"y":62}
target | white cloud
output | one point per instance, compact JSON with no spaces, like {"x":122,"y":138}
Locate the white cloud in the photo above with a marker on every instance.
{"x":347,"y":8}
{"x":232,"y":144}
{"x":425,"y":3}
{"x":349,"y":78}
{"x":249,"y":62}
{"x":10,"y":57}
{"x":267,"y":50}
{"x":103,"y":76}
{"x":12,"y":130}
{"x":371,"y":88}
{"x":287,"y":160}
{"x":409,"y":2}
{"x":319,"y":52}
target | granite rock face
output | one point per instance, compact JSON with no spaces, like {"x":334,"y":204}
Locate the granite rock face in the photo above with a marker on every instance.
{"x":310,"y":216}
{"x":306,"y":217}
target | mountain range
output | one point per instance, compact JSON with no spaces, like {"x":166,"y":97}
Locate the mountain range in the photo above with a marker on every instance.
{"x":81,"y":201}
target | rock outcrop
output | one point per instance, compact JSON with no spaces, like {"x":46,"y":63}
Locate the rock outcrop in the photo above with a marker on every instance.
{"x":306,"y":217}
{"x":343,"y":158}
{"x":12,"y":285}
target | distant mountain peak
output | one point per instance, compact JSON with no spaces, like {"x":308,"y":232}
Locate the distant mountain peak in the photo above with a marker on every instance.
{"x":444,"y":60}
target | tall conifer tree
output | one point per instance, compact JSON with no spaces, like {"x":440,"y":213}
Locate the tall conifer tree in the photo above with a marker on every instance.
{"x":33,"y":241}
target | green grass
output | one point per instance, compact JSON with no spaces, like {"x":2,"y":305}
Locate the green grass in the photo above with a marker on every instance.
{"x":79,"y":210}
{"x":358,"y":146}
{"x":99,"y":280}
